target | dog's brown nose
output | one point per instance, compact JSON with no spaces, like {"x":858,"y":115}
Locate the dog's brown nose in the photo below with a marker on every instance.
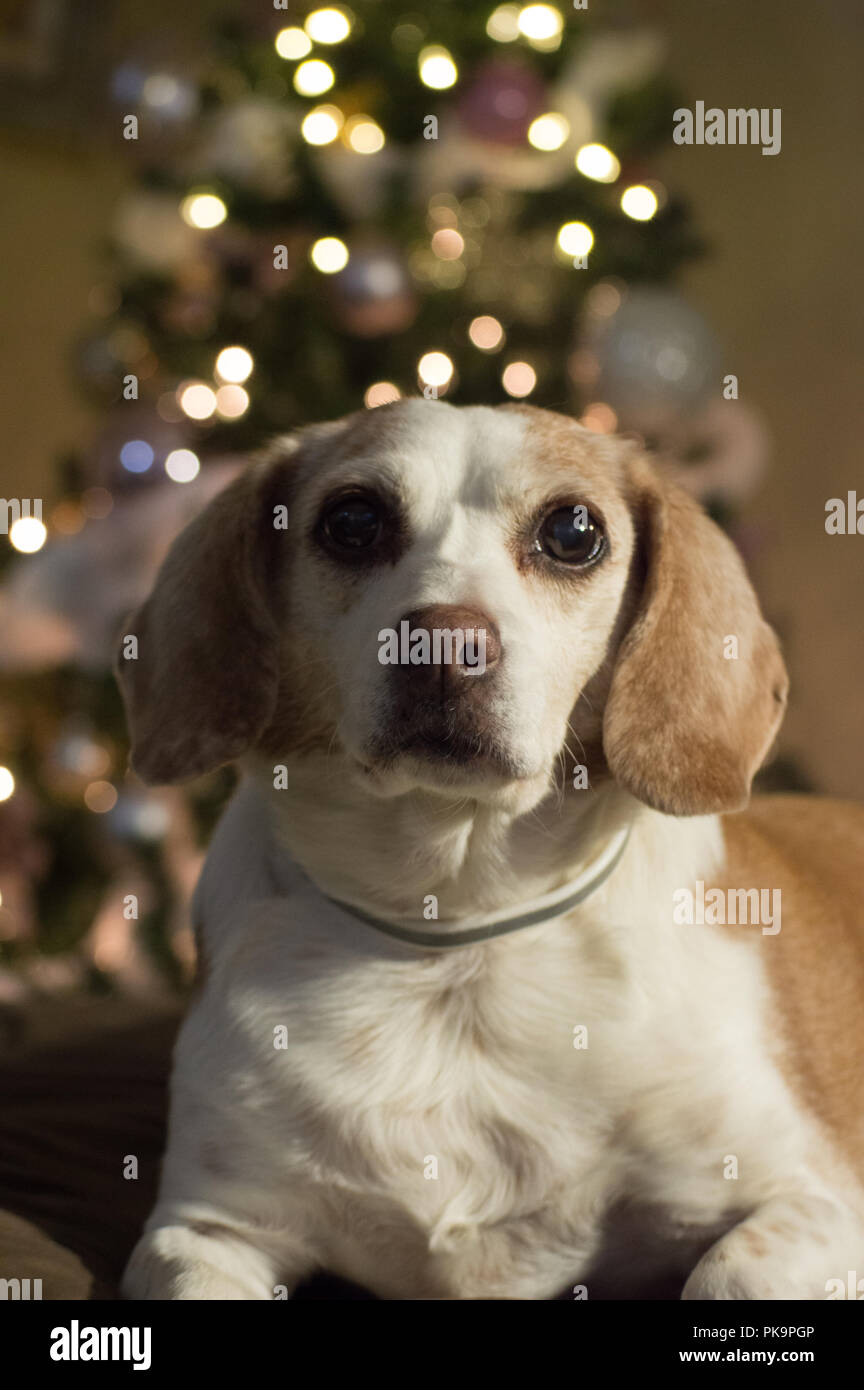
{"x":450,"y":643}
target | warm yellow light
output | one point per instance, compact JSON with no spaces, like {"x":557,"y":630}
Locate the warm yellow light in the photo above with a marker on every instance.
{"x":329,"y":255}
{"x":321,"y":125}
{"x":540,"y":22}
{"x":364,"y":135}
{"x":435,"y":368}
{"x":7,"y":784}
{"x":447,"y":244}
{"x":327,"y":26}
{"x":639,"y":202}
{"x":596,"y":162}
{"x":575,"y":239}
{"x":292,"y":43}
{"x":182,"y":465}
{"x":486,"y":332}
{"x":548,"y":132}
{"x":28,"y":534}
{"x":519,"y":379}
{"x":234,"y":364}
{"x":231,"y":402}
{"x":197,"y":400}
{"x":600,"y":418}
{"x":381,"y":393}
{"x":437,"y":68}
{"x":503,"y":24}
{"x":100,"y":797}
{"x":203,"y":210}
{"x":314,"y":77}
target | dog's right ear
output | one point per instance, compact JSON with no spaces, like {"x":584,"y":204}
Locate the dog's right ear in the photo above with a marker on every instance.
{"x":200,"y":679}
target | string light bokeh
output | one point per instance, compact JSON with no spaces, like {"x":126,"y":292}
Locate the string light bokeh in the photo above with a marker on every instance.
{"x":341,"y":207}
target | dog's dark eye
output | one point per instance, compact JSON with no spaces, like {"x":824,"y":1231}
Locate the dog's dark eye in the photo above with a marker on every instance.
{"x":354,"y":523}
{"x":571,"y":534}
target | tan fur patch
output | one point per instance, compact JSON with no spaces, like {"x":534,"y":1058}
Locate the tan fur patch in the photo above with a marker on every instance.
{"x":813,"y":851}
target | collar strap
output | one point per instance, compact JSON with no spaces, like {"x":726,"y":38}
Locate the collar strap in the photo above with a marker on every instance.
{"x":544,"y":909}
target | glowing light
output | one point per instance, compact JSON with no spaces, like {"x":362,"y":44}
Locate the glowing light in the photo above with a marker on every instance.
{"x":136,"y":456}
{"x":28,"y":534}
{"x":203,"y":210}
{"x":100,"y":797}
{"x":381,"y":393}
{"x":234,"y":364}
{"x":322,"y":125}
{"x":519,"y":379}
{"x":540,"y":22}
{"x":79,"y":755}
{"x":447,"y":244}
{"x":437,"y":69}
{"x":435,"y":368}
{"x":486,"y":332}
{"x":161,"y":89}
{"x":548,"y":132}
{"x":503,"y":24}
{"x":293,"y":43}
{"x":600,"y":418}
{"x":639,"y":202}
{"x":197,"y":400}
{"x":7,"y":784}
{"x":314,"y":77}
{"x":232,"y":402}
{"x":329,"y":255}
{"x":575,"y":239}
{"x":603,"y":300}
{"x":327,"y":26}
{"x":182,"y":465}
{"x":443,"y":211}
{"x":364,"y":135}
{"x":596,"y":162}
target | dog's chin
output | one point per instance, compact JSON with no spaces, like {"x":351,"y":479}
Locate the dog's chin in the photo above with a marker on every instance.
{"x":460,"y":766}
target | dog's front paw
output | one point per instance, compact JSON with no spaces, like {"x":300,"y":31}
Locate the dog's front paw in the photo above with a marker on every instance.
{"x":789,"y":1248}
{"x":180,"y":1262}
{"x":719,"y":1276}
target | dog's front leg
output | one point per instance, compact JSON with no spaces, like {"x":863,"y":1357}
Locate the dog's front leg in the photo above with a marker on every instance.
{"x":790,"y":1247}
{"x":202,"y":1260}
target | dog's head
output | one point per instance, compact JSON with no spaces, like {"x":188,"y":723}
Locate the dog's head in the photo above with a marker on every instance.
{"x":449,"y":598}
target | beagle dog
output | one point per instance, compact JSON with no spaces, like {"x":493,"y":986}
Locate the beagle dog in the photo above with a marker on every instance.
{"x":457,"y":1033}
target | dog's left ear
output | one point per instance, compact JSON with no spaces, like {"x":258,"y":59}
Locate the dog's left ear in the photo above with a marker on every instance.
{"x":200,"y":679}
{"x":699,"y":688}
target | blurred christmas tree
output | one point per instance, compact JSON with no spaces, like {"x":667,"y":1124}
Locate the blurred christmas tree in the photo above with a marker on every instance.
{"x":336,"y":208}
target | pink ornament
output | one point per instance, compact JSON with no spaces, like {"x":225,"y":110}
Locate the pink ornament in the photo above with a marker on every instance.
{"x":501,"y":101}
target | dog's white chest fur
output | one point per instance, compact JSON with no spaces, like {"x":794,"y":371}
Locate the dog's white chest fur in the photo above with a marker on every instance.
{"x":490,"y":1121}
